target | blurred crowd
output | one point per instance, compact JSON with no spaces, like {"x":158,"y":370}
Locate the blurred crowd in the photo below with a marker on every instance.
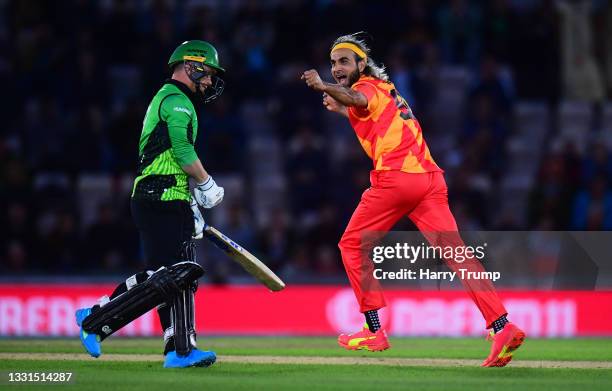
{"x":77,"y":77}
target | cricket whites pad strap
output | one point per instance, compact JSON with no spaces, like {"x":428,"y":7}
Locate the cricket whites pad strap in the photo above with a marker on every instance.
{"x":161,"y":287}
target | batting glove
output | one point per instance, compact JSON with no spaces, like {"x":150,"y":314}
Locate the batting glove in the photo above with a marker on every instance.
{"x":199,"y":225}
{"x":208,"y":194}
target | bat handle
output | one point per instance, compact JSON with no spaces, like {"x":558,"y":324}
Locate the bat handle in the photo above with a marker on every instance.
{"x":199,"y":222}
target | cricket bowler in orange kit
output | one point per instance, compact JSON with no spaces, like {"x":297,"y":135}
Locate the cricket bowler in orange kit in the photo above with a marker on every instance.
{"x":405,"y":181}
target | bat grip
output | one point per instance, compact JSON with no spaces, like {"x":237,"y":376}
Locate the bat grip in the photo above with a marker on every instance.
{"x":199,"y":223}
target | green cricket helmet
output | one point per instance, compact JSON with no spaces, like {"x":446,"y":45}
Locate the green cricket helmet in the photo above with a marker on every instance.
{"x":195,"y":50}
{"x":195,"y":54}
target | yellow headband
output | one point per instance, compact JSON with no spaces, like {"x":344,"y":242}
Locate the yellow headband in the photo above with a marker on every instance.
{"x":350,"y":46}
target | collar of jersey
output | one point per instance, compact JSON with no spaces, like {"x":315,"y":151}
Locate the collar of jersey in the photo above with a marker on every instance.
{"x":185,"y":90}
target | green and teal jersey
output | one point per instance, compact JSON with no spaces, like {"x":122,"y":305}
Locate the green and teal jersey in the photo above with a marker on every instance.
{"x":166,"y":143}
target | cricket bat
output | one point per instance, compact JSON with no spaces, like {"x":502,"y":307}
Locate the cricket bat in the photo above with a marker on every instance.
{"x":248,"y":261}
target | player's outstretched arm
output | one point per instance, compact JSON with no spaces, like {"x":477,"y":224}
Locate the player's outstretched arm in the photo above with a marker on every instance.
{"x":346,"y":96}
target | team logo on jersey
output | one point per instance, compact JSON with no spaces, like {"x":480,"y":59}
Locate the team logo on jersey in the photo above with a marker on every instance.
{"x":183,"y":110}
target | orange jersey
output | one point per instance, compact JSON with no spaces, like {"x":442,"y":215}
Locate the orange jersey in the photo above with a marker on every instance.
{"x":387,"y":130}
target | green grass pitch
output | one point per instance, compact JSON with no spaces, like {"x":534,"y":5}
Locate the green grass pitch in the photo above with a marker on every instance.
{"x":91,"y":374}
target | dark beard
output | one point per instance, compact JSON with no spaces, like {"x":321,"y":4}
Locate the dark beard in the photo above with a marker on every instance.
{"x":353,"y":77}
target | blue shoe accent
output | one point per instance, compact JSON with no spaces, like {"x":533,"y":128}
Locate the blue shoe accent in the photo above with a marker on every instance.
{"x":197,"y":358}
{"x":91,"y":342}
{"x":81,"y":314}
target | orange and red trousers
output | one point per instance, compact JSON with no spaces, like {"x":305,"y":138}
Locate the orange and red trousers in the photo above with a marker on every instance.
{"x":423,"y":198}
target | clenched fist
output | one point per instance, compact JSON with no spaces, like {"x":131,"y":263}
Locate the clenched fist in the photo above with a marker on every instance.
{"x":313,"y":80}
{"x":331,"y":104}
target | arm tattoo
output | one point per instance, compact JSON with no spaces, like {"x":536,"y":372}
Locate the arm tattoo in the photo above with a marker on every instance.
{"x":347,"y":96}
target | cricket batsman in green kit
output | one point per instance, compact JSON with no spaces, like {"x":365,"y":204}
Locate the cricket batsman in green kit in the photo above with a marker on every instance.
{"x":160,"y":205}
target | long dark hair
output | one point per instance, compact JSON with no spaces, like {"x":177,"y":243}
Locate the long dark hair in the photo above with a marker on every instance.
{"x":371,"y":69}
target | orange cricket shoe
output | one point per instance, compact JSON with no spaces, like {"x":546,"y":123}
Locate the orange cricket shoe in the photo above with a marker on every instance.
{"x":365,"y":340}
{"x":505,"y":343}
